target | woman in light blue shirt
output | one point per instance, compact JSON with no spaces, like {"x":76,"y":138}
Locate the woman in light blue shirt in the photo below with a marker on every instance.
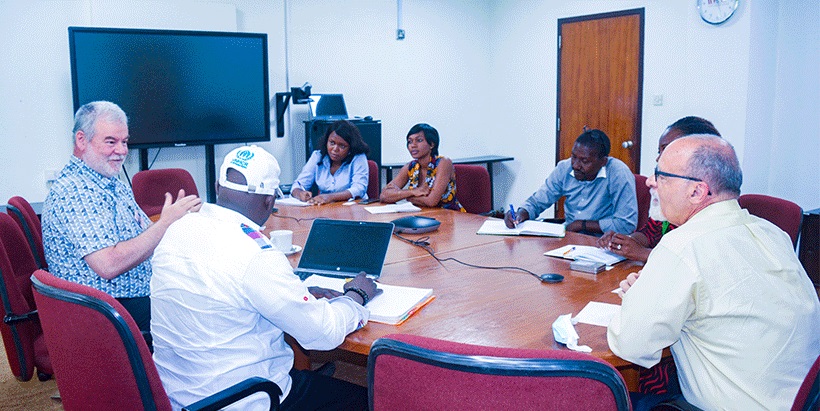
{"x":339,"y":168}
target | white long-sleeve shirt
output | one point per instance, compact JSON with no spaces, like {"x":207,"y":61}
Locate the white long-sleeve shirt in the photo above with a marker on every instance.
{"x":220,"y":304}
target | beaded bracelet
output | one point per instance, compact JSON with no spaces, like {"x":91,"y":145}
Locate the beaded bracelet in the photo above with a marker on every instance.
{"x":361,"y":294}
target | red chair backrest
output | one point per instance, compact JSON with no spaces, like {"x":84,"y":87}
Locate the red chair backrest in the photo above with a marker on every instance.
{"x":808,"y":396}
{"x":101,"y":360}
{"x":782,"y":213}
{"x":373,"y":175}
{"x":150,"y":186}
{"x":644,"y":199}
{"x":24,"y":215}
{"x":473,"y":189}
{"x":22,"y":338}
{"x":413,"y":372}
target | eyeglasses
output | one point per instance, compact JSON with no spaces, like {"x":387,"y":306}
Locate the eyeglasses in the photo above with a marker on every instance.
{"x":665,"y":174}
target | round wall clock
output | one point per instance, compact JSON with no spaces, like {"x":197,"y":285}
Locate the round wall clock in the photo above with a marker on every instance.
{"x":716,"y":11}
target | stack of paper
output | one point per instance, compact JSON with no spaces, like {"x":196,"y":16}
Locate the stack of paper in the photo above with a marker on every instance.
{"x":291,"y":201}
{"x":400,"y":207}
{"x":494,"y":226}
{"x":586,"y":252}
{"x":393,"y":306}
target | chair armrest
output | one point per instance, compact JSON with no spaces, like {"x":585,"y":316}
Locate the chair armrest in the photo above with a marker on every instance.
{"x":14,"y":318}
{"x":237,"y":392}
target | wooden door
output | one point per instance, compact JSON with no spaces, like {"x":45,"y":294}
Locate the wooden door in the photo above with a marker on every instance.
{"x":600,"y":82}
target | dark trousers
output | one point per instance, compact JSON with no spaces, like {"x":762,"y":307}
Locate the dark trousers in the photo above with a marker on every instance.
{"x":140,"y":310}
{"x":313,"y":391}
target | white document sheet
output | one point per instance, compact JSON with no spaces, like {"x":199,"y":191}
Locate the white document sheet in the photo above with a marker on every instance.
{"x":596,"y":313}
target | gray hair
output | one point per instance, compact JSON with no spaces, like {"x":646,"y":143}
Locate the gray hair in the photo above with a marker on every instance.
{"x":87,"y":116}
{"x":715,"y":162}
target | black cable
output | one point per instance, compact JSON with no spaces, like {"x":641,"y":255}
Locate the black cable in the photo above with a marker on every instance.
{"x":294,"y":218}
{"x":424,"y":244}
{"x":127,"y":178}
{"x":155,"y":158}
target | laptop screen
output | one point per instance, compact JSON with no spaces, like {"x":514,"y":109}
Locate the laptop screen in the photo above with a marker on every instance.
{"x":328,"y":106}
{"x":344,"y":248}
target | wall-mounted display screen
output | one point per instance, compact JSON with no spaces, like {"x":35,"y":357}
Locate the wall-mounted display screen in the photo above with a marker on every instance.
{"x":178,"y":88}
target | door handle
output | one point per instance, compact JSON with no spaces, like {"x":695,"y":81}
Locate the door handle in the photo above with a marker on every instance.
{"x":627,"y":144}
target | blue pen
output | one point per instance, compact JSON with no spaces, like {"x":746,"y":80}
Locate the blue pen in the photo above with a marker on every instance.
{"x":512,"y":213}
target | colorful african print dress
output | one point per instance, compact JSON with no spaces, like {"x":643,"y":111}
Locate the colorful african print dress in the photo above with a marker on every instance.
{"x":448,"y":199}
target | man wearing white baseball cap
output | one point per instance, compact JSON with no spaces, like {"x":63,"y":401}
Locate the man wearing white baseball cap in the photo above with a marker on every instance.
{"x":223,"y":297}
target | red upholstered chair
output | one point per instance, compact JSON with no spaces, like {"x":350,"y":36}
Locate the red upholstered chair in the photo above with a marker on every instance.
{"x":808,"y":396}
{"x":473,"y":189}
{"x":27,"y":219}
{"x":100,"y":359}
{"x":22,"y":335}
{"x":782,"y":213}
{"x":644,"y":199}
{"x":150,"y":187}
{"x":419,"y":373}
{"x":373,"y":177}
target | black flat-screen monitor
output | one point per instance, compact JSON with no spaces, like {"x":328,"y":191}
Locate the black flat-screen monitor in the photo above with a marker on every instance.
{"x":178,"y":88}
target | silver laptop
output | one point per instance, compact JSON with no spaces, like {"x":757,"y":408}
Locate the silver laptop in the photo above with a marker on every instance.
{"x":344,"y":248}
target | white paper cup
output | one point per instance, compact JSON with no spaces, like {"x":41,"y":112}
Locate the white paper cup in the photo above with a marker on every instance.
{"x":282,"y":240}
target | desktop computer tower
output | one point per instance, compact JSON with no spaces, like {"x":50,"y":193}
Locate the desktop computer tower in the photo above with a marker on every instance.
{"x":371,"y":131}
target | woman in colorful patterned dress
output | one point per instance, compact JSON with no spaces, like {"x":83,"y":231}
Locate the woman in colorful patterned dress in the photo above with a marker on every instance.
{"x":430,"y":179}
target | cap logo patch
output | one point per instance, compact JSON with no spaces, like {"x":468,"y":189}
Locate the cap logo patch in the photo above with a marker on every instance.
{"x":242,"y":158}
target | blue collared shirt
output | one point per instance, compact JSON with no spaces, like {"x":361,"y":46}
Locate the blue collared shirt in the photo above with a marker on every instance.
{"x":86,"y":212}
{"x":609,"y":198}
{"x":352,"y":176}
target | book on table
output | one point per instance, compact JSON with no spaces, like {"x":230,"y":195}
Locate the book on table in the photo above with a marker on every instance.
{"x":496,"y":226}
{"x":586,"y":252}
{"x":393,"y":306}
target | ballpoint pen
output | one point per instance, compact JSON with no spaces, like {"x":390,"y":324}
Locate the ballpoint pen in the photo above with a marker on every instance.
{"x":512,"y":213}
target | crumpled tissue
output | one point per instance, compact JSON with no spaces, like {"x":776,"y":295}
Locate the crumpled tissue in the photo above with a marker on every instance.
{"x":564,"y":332}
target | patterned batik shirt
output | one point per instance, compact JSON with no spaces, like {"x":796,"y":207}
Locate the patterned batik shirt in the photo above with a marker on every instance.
{"x":85,"y":212}
{"x":448,"y":199}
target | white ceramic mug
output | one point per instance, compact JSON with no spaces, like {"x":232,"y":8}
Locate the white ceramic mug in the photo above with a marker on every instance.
{"x":282,"y":240}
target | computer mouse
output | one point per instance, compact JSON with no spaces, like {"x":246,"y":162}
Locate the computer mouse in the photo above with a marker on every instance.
{"x":551,"y":278}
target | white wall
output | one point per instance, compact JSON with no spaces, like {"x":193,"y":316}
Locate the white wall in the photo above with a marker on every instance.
{"x":483,"y":72}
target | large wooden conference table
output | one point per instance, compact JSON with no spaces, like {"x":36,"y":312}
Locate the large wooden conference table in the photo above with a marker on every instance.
{"x":501,"y":308}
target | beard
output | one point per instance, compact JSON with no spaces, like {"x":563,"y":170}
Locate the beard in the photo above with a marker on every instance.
{"x":100,"y":163}
{"x":655,"y":211}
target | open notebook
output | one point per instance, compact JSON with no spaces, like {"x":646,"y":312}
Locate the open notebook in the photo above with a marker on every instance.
{"x":393,"y":306}
{"x":495,"y":226}
{"x":586,"y":252}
